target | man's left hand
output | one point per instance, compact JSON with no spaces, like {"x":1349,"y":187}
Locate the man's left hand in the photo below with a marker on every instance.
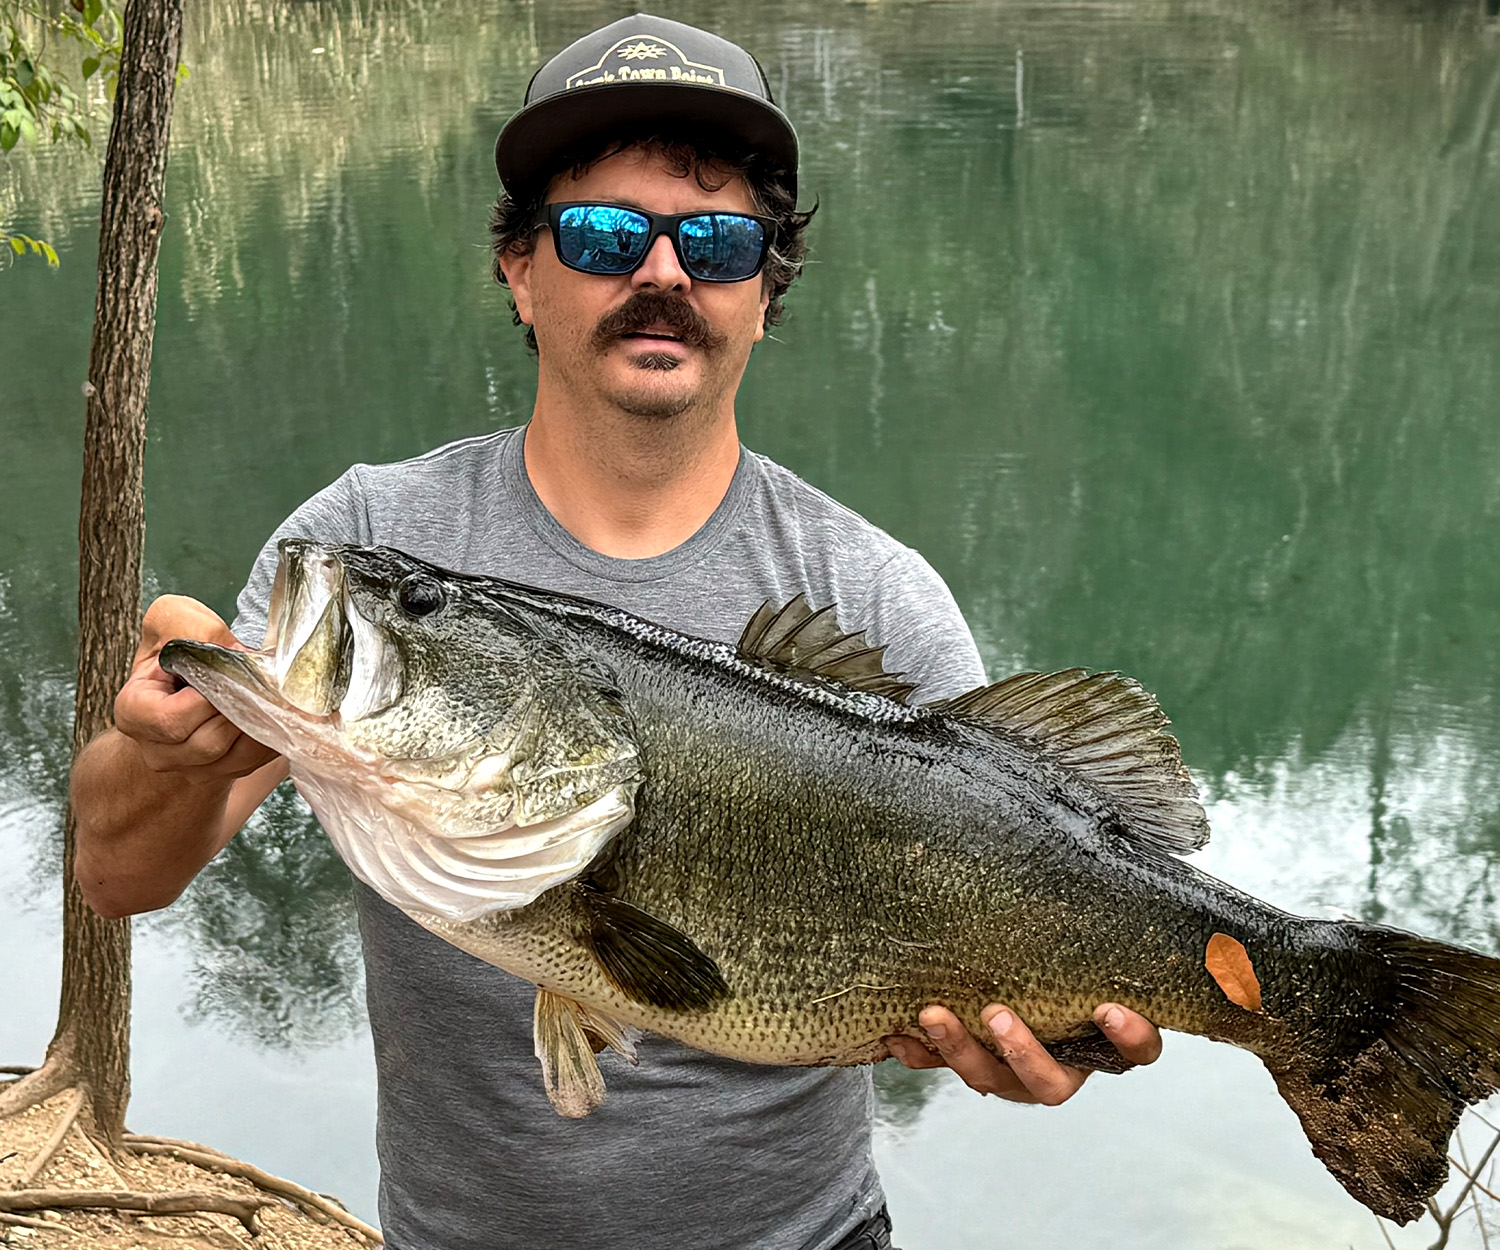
{"x":1028,"y":1072}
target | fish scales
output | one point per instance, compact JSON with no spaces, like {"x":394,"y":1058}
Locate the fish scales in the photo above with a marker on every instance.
{"x":769,"y":853}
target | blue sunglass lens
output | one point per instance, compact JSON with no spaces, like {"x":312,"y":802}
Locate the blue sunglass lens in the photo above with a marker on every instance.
{"x":608,"y":239}
{"x":721,"y":247}
{"x":602,"y":238}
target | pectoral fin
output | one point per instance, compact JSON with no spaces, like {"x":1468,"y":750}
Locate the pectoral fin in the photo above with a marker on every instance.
{"x":647,"y":959}
{"x":563,"y":1034}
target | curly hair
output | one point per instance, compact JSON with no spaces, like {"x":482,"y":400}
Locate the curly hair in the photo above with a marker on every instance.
{"x":701,"y":156}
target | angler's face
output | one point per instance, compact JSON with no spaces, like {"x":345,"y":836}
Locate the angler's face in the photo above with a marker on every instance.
{"x":660,"y":368}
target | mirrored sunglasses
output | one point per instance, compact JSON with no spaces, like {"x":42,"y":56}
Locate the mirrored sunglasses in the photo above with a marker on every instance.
{"x":613,"y":239}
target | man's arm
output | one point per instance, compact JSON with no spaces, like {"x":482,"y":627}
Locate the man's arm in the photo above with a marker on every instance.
{"x":159,"y":795}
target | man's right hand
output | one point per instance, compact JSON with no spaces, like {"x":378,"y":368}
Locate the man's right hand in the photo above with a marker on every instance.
{"x":159,"y":794}
{"x":177,"y":729}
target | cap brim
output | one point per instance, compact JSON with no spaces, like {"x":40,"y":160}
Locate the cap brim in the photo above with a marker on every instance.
{"x":535,"y":137}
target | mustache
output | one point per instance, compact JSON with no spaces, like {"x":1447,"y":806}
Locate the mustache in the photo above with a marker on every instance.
{"x":647,"y":309}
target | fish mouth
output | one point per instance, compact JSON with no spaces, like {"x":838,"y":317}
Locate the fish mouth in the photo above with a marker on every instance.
{"x":309,"y":638}
{"x":321,"y":657}
{"x":207,"y":663}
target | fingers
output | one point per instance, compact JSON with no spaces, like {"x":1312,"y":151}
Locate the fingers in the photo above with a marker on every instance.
{"x":1027,"y":1074}
{"x":177,"y":729}
{"x":177,"y":616}
{"x":912,"y":1053}
{"x":150,"y":709}
{"x":1040,"y":1077}
{"x":949,"y":1045}
{"x":976,"y":1067}
{"x":1135,"y":1037}
{"x":1026,"y":1071}
{"x":183,"y":733}
{"x":168,"y":617}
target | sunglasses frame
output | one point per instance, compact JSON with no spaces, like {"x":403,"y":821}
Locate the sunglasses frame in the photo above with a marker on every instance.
{"x":658,"y":224}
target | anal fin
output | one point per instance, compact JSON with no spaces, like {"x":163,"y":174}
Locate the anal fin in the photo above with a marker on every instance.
{"x":1093,"y":1052}
{"x":563,"y":1032}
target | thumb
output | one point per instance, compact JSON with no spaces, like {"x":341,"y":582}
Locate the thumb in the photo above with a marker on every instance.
{"x":178,"y":616}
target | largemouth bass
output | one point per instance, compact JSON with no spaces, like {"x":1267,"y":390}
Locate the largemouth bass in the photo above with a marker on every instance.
{"x":770,"y":852}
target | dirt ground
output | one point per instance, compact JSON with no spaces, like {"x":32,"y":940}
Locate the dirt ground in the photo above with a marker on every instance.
{"x":77,"y":1165}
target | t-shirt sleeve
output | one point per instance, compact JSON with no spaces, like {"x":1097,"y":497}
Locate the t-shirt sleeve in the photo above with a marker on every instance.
{"x":336,"y":514}
{"x":910,"y":610}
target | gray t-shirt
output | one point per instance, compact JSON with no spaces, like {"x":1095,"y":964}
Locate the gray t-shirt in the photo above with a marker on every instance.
{"x":689,"y":1151}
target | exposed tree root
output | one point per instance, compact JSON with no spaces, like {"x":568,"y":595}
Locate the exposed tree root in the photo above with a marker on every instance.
{"x":66,"y":1144}
{"x":181,"y":1202}
{"x":49,"y":1148}
{"x":25,"y":1221}
{"x":34,"y":1086}
{"x":317,"y":1205}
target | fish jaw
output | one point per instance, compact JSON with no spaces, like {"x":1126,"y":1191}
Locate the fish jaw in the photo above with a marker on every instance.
{"x":243,"y":686}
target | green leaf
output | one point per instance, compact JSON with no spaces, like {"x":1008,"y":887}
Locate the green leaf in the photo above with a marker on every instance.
{"x":8,"y":136}
{"x":17,"y":246}
{"x":89,"y":66}
{"x":50,"y":253}
{"x":24,"y":73}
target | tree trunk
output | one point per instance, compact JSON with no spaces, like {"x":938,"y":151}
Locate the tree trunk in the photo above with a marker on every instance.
{"x":93,"y":1027}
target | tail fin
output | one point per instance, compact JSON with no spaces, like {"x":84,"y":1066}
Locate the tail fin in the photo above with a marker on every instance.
{"x":1380,"y":1116}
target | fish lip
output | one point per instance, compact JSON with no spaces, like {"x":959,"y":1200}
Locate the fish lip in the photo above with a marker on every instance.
{"x":310,"y":583}
{"x":297,"y":562}
{"x":190,"y":660}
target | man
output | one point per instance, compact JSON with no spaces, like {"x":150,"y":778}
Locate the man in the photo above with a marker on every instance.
{"x":651,"y":157}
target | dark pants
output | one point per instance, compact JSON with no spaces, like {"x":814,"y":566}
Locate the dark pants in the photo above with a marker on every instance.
{"x":873,"y":1234}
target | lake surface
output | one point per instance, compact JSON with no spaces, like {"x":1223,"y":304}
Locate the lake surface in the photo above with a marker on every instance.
{"x":1168,"y":330}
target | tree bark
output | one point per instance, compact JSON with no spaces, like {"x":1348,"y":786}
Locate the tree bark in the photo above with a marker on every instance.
{"x":93,"y":1027}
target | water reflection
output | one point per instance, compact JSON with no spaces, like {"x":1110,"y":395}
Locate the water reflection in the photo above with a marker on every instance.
{"x":1165,"y":329}
{"x":272,"y":929}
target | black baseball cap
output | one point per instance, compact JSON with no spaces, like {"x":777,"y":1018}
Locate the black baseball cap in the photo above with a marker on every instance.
{"x":631,"y":74}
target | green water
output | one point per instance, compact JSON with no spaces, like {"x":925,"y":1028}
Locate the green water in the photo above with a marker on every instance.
{"x":1169,"y":331}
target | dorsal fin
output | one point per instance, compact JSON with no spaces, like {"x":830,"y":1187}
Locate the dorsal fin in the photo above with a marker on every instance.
{"x":807,"y":642}
{"x":1111,"y":731}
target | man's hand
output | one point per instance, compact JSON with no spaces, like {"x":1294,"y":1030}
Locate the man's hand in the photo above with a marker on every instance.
{"x":177,"y":729}
{"x":160,"y":794}
{"x":1029,"y":1073}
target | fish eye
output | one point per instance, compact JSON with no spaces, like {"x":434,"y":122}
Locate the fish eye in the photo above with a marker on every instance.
{"x":419,"y":596}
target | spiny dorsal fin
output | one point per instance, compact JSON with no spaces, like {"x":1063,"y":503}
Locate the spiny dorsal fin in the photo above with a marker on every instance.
{"x":808,"y":642}
{"x":1110,"y":730}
